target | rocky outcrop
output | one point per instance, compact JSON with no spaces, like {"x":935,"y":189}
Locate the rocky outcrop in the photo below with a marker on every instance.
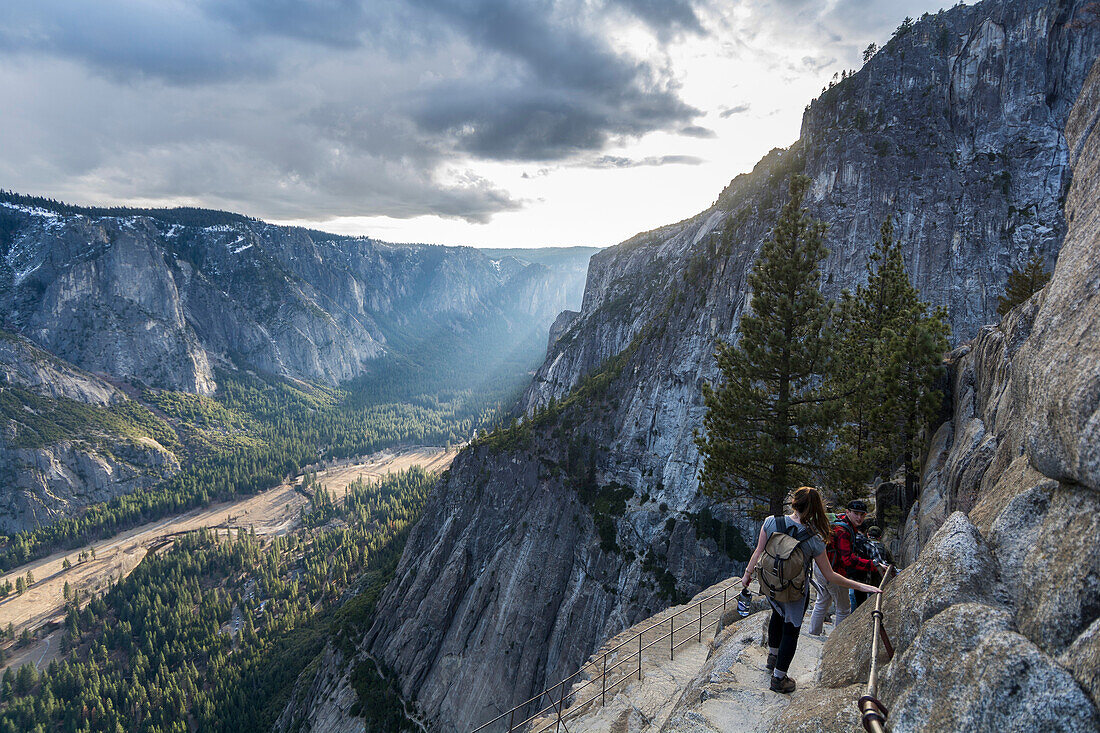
{"x":331,"y":713}
{"x":968,"y":669}
{"x":53,"y":481}
{"x":1014,"y":646}
{"x":955,"y":128}
{"x":955,"y":567}
{"x":47,"y":477}
{"x":139,"y":297}
{"x":23,"y":364}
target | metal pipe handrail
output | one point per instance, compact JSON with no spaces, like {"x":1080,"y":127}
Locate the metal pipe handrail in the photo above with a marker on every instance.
{"x":633,"y":638}
{"x":873,"y":712}
{"x":673,"y":630}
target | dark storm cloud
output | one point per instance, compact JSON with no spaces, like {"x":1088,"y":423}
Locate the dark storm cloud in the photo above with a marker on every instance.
{"x":314,"y":108}
{"x":128,"y":39}
{"x":339,"y":107}
{"x":553,"y":90}
{"x":339,"y":23}
{"x":664,"y":16}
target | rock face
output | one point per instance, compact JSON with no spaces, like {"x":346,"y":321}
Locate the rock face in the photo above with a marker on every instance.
{"x":955,"y":128}
{"x":947,"y":679}
{"x":46,"y":479}
{"x":141,"y":298}
{"x":1019,"y":457}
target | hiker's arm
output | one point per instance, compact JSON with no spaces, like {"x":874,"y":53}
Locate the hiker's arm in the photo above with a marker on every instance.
{"x":826,"y":569}
{"x":760,"y":542}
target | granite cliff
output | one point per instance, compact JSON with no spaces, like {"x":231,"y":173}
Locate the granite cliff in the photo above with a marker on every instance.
{"x":146,"y":298}
{"x":996,"y":616}
{"x":587,"y":518}
{"x":1002,"y":537}
{"x":50,"y":474}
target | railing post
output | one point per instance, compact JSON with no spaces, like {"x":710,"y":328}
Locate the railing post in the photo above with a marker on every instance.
{"x":640,"y":655}
{"x":603,"y":677}
{"x":511,"y":720}
{"x":700,"y":622}
{"x":672,"y":637}
{"x":561,"y":706}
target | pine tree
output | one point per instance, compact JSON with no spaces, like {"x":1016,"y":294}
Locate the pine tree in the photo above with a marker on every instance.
{"x":767,"y":423}
{"x":913,"y":363}
{"x":1022,"y":284}
{"x":889,"y":351}
{"x":861,"y":321}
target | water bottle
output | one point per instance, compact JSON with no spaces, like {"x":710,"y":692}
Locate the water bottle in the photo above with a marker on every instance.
{"x":744,"y":603}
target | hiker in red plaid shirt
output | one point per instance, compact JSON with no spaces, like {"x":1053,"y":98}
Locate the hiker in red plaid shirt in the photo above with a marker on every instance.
{"x":845,"y":562}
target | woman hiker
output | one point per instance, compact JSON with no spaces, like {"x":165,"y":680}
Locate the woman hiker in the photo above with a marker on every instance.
{"x":807,"y":512}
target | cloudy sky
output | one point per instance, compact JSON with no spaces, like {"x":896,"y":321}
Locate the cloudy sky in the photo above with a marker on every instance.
{"x":483,"y":122}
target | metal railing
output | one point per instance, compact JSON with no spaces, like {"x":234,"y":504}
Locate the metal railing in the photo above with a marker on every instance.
{"x":558,"y":693}
{"x":873,"y":711}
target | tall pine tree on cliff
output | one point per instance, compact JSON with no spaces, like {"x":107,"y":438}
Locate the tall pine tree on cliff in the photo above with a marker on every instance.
{"x":889,"y":350}
{"x":768,"y":421}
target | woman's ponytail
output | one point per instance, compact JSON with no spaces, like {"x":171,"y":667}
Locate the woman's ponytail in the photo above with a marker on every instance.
{"x":807,"y":502}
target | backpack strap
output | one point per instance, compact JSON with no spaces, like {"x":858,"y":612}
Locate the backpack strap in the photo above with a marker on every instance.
{"x":781,"y":523}
{"x":787,"y":527}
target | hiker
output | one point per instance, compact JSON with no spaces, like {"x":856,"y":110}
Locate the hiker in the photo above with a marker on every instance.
{"x":870,"y":546}
{"x":846,"y":563}
{"x":784,"y":582}
{"x":879,"y":554}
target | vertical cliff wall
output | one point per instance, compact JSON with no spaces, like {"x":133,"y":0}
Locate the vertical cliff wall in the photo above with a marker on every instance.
{"x":140,"y":297}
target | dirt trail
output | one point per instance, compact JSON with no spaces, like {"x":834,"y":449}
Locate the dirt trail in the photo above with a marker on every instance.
{"x":271,"y":512}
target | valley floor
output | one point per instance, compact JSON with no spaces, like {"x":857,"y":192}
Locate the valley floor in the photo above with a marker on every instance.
{"x":272,"y":512}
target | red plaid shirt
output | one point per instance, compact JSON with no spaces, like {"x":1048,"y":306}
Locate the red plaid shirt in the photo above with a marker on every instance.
{"x":845,"y":559}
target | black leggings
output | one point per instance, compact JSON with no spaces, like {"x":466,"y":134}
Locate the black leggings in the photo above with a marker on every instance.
{"x":782,"y":635}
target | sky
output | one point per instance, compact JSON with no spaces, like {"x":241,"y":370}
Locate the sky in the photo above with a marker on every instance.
{"x":493,"y":123}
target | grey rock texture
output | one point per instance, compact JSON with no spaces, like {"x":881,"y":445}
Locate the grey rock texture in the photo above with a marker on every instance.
{"x":821,"y":711}
{"x":48,"y":483}
{"x":1060,"y":381}
{"x":968,"y":669}
{"x":138,"y":298}
{"x":25,"y":365}
{"x":956,"y":129}
{"x":330,"y":713}
{"x":1082,"y":659}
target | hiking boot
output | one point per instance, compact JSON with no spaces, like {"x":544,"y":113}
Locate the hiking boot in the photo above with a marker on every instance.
{"x":784,"y":686}
{"x":771,"y":662}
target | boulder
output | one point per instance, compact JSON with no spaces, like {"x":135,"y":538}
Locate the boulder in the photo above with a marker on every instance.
{"x":821,"y":711}
{"x":967,"y":670}
{"x":1061,"y":586}
{"x":1082,"y":659}
{"x":1010,"y":514}
{"x":955,"y":566}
